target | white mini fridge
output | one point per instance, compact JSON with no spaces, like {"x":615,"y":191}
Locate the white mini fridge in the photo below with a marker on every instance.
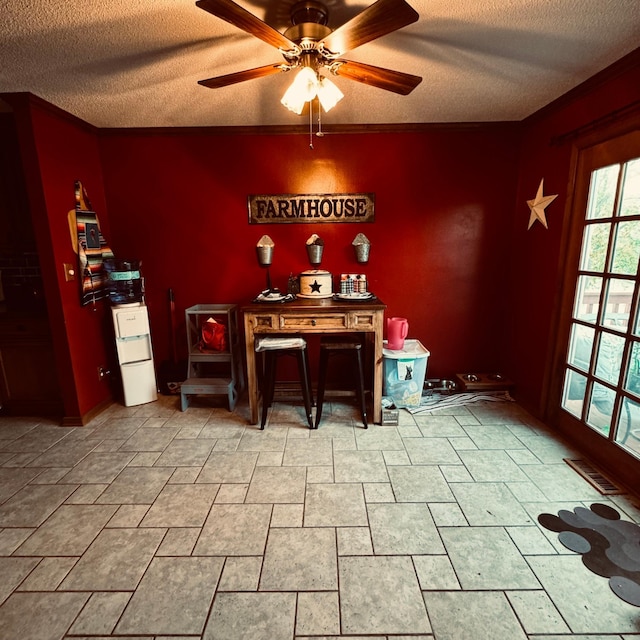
{"x":135,"y":354}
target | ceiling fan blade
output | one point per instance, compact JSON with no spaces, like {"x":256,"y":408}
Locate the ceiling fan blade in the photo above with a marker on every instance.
{"x":243,"y":19}
{"x":241,"y":76}
{"x":396,"y":81}
{"x":381,"y":18}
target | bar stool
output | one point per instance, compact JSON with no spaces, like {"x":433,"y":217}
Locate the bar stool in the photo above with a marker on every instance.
{"x":273,"y":347}
{"x":331,"y":346}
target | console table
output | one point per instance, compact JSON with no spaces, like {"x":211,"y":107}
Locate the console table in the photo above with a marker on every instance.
{"x":324,"y":315}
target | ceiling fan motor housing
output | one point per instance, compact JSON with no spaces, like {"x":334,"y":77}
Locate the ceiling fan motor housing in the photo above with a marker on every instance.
{"x":309,"y":11}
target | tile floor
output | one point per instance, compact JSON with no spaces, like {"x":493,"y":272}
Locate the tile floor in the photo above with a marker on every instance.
{"x":151,"y":523}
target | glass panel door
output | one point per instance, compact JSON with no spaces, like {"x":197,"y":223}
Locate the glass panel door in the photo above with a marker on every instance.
{"x":601,"y":380}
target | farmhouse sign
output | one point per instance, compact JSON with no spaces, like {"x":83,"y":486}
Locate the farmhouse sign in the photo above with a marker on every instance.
{"x":335,"y":207}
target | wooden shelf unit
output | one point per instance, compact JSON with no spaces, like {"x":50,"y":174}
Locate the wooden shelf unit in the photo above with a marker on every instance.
{"x":212,"y":372}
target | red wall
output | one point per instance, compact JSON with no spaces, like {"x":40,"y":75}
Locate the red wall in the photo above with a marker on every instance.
{"x":450,"y":246}
{"x":444,"y":205}
{"x":57,"y":150}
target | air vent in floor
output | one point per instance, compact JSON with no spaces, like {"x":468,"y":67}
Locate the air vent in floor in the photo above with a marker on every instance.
{"x":594,"y":477}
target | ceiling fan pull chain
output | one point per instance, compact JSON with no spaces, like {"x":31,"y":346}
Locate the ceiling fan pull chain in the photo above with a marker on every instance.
{"x":320,"y":132}
{"x":310,"y":124}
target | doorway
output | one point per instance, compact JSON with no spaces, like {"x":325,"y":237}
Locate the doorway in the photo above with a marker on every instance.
{"x":596,"y":376}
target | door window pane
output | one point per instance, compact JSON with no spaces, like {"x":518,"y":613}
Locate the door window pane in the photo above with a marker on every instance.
{"x":628,"y":432}
{"x":626,"y":248}
{"x":588,"y":298}
{"x":594,"y":247}
{"x":617,"y":303}
{"x":601,"y":408}
{"x":632,"y":381}
{"x":574,"y":391}
{"x":580,"y":346}
{"x":630,"y":203}
{"x":602,"y":192}
{"x":609,"y":358}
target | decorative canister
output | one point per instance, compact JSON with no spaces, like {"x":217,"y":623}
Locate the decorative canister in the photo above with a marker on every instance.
{"x":315,"y":283}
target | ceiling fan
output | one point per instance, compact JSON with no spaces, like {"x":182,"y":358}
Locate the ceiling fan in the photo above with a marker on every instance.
{"x":310,"y":45}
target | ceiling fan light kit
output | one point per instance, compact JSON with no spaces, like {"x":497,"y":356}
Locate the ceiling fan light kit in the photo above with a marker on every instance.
{"x":310,"y":45}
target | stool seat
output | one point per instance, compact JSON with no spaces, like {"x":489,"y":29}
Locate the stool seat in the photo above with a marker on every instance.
{"x":272,"y":347}
{"x":271,"y":343}
{"x":334,"y":346}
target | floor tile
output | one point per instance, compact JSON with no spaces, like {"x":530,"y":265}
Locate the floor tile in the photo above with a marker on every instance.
{"x":431,"y":451}
{"x":559,"y":482}
{"x":308,"y":453}
{"x":492,"y":466}
{"x":287,"y":515}
{"x":354,"y":541}
{"x":419,"y":484}
{"x":40,"y":616}
{"x":181,"y":505}
{"x":334,"y":505}
{"x":301,"y":559}
{"x":186,"y":453}
{"x":489,"y":503}
{"x":259,"y":616}
{"x":115,"y":561}
{"x":377,"y":438}
{"x":486,"y":558}
{"x":149,"y":439}
{"x":241,"y":574}
{"x":64,"y":453}
{"x":470,"y":615}
{"x":493,"y":437}
{"x":435,"y":573}
{"x":222,"y":466}
{"x":584,"y":600}
{"x":12,"y":480}
{"x":267,"y":440}
{"x":277,"y":485}
{"x":36,"y":440}
{"x":68,"y":532}
{"x":318,"y":614}
{"x":536,"y":612}
{"x":33,"y":504}
{"x":13,"y":572}
{"x":179,"y":541}
{"x":360,"y":466}
{"x":98,"y":467}
{"x":234,"y":530}
{"x":135,"y":486}
{"x":403,"y":529}
{"x":381,"y":594}
{"x":101,"y":614}
{"x":173,"y":597}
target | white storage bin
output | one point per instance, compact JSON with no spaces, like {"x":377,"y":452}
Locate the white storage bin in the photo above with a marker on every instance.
{"x":404,"y":373}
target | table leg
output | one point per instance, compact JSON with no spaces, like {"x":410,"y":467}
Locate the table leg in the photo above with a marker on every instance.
{"x":377,"y":367}
{"x":252,"y":378}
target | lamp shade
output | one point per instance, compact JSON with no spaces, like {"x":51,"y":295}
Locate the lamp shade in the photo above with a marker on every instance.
{"x":303,"y":89}
{"x":328,"y":94}
{"x":306,"y":86}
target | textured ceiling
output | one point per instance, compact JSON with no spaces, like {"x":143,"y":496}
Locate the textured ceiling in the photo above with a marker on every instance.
{"x":136,"y":63}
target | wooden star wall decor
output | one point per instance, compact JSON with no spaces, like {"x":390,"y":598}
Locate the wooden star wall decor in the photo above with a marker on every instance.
{"x":538,"y":205}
